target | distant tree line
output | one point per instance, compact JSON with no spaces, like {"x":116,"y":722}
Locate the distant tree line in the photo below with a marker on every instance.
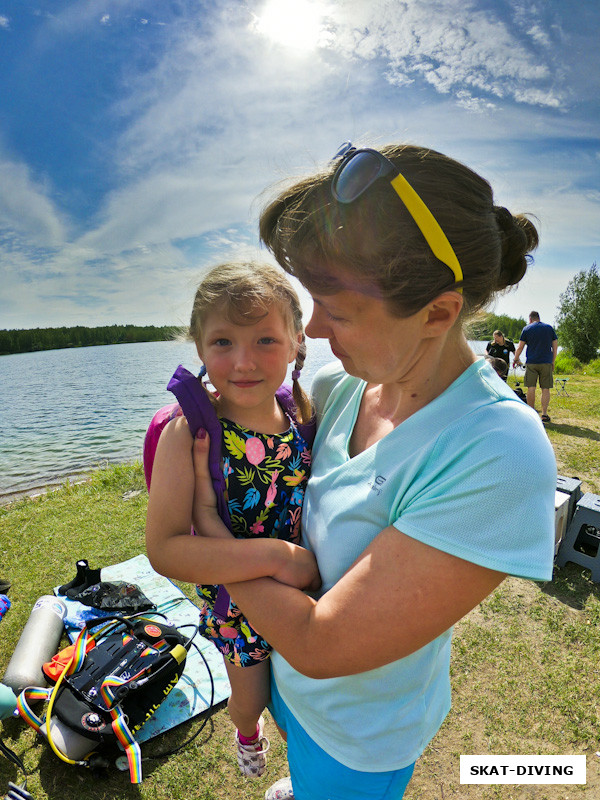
{"x":482,"y":328}
{"x":29,"y":340}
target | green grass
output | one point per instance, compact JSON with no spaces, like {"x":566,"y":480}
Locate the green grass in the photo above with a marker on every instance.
{"x":525,"y":665}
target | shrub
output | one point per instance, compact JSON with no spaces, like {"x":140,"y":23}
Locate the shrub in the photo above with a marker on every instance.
{"x":593,"y":368}
{"x":566,"y":363}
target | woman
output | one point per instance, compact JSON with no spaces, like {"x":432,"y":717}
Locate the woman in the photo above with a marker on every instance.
{"x":416,"y":439}
{"x":501,"y":347}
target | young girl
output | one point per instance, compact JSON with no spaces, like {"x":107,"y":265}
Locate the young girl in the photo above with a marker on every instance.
{"x":247,"y":327}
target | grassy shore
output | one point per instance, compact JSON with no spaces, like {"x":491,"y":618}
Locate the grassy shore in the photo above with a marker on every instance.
{"x":524,"y":669}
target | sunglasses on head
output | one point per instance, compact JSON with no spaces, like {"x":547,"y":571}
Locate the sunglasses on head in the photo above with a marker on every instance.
{"x":360,"y":168}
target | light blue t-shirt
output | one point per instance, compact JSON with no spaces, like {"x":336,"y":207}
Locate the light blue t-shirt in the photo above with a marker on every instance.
{"x":472,"y":474}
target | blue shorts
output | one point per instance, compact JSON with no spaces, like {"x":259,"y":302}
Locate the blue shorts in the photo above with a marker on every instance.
{"x":318,"y":776}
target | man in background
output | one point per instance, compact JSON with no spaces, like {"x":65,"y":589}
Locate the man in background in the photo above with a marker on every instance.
{"x":542,"y":346}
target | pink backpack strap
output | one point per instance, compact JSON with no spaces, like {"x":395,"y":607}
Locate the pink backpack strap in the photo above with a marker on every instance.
{"x":156,"y":427}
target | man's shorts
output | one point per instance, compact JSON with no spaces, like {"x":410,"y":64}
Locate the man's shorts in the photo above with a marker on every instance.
{"x":318,"y":776}
{"x":545,"y":373}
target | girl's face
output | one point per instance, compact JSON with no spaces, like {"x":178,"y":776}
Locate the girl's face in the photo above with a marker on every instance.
{"x":371,"y":343}
{"x":246,"y":363}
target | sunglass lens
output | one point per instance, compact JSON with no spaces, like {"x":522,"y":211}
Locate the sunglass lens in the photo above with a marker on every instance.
{"x":355,"y":176}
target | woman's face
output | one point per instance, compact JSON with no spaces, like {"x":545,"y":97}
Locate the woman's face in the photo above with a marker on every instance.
{"x":371,"y":343}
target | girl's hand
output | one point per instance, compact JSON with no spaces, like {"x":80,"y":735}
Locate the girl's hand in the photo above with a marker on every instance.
{"x":296,"y":567}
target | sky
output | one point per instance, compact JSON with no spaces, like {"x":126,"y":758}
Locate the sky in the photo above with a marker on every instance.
{"x":139,"y":140}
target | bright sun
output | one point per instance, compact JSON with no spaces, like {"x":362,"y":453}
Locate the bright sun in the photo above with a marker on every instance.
{"x":293,"y":23}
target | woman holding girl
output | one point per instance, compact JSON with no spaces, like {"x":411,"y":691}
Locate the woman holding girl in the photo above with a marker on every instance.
{"x":416,"y":439}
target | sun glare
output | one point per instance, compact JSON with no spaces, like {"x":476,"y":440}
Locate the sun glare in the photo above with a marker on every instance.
{"x":293,"y":23}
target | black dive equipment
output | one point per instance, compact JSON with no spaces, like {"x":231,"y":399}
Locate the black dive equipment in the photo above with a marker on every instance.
{"x":148,"y":656}
{"x":115,"y":676}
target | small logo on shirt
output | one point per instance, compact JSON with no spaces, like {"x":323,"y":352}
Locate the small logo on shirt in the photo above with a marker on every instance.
{"x":376,"y":485}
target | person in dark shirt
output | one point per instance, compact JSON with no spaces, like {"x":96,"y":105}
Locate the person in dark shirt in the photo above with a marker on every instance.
{"x":542,"y":347}
{"x":501,"y":347}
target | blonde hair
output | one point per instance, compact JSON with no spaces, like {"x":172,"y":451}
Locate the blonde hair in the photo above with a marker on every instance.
{"x":244,"y":292}
{"x":374,"y":242}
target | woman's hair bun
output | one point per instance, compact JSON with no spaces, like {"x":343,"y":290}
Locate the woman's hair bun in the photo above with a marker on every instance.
{"x":519,"y":237}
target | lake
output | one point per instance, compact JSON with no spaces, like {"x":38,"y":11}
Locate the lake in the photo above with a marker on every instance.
{"x":66,"y":412}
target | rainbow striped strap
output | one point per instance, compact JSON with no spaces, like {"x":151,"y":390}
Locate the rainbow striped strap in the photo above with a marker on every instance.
{"x":31,"y":693}
{"x":132,"y":749}
{"x":119,"y":725}
{"x":79,"y":653}
{"x":108,"y":687}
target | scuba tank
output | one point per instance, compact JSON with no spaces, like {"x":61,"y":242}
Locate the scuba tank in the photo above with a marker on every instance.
{"x":38,"y":643}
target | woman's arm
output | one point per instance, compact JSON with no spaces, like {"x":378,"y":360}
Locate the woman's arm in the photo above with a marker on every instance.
{"x":399,"y":595}
{"x":196,"y":559}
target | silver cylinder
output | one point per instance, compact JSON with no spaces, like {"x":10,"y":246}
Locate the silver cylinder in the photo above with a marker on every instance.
{"x":70,"y":743}
{"x":38,"y":643}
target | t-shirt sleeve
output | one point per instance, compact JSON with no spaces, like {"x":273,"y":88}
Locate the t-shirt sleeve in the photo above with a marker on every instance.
{"x":488,"y":495}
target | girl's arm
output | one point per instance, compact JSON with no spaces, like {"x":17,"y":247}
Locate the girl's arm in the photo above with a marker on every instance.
{"x":197,"y":559}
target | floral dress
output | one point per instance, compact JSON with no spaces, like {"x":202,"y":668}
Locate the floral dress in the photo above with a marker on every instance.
{"x":266,"y":477}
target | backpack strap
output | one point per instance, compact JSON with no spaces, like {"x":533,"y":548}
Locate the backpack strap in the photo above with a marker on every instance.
{"x":156,"y":427}
{"x":200,"y":413}
{"x":286,"y":400}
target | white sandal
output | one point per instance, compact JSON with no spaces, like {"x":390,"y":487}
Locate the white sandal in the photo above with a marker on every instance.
{"x":252,"y":758}
{"x":281,"y":790}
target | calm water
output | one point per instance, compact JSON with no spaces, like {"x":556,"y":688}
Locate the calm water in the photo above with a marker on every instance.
{"x":65,"y":412}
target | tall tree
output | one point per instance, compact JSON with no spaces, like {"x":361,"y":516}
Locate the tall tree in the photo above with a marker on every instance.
{"x":578,"y":318}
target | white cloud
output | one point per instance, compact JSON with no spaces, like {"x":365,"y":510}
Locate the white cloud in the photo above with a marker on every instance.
{"x":170,"y":206}
{"x":4,"y":22}
{"x":479,"y":105}
{"x":453,"y":46}
{"x":225,"y":111}
{"x":25,"y":206}
{"x":539,"y":36}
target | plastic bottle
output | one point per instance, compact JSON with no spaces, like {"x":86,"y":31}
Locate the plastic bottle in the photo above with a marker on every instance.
{"x":38,"y":643}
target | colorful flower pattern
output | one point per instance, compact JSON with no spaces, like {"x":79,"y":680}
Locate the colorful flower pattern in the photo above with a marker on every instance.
{"x":266,"y":476}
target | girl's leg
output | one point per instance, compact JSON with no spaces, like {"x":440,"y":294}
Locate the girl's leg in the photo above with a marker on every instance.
{"x":249,"y":695}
